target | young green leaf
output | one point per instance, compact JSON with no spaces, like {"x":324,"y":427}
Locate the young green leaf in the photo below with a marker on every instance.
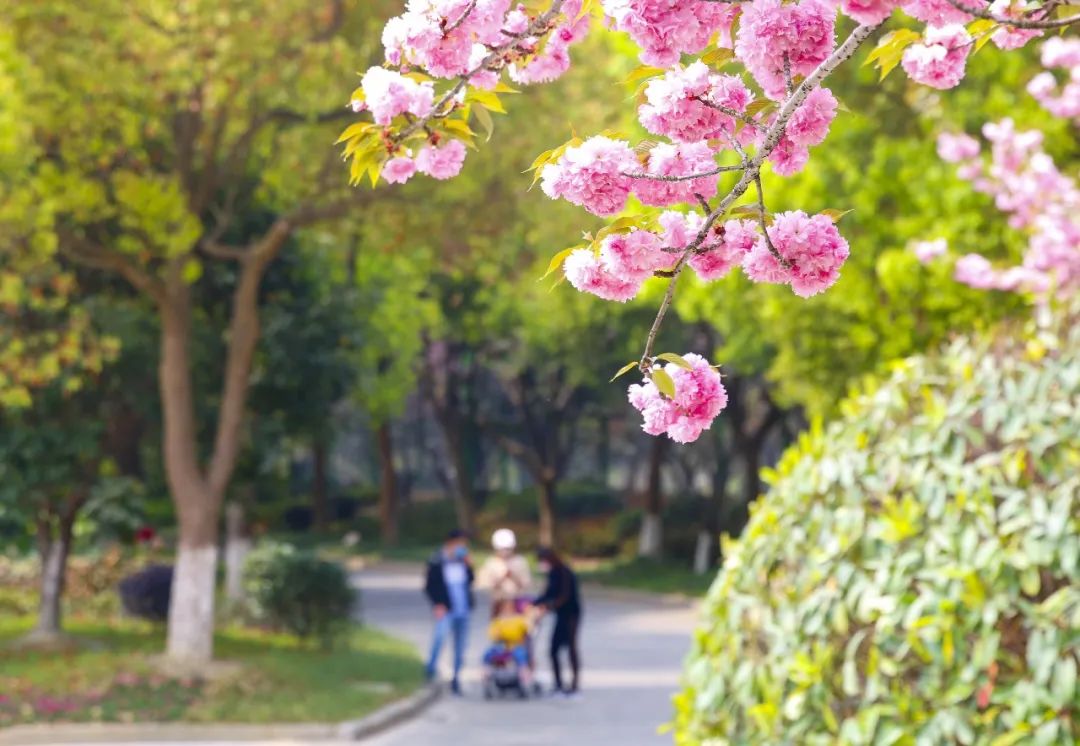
{"x":625,"y":369}
{"x":663,"y":382}
{"x":679,"y":360}
{"x":835,"y":215}
{"x":557,"y":260}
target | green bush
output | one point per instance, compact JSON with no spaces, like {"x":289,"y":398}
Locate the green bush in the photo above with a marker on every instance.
{"x":293,"y":590}
{"x":913,"y":574}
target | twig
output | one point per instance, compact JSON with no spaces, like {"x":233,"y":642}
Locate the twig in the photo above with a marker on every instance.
{"x":744,"y":118}
{"x":689,"y":177}
{"x":761,"y":221}
{"x":1021,"y":23}
{"x":464,"y":15}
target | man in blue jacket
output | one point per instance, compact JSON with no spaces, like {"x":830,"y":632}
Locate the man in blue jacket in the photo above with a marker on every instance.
{"x":448,"y":587}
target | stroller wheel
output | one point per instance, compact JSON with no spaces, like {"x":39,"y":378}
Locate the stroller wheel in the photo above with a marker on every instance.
{"x":522,"y":692}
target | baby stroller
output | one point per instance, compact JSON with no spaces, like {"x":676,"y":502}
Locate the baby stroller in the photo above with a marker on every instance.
{"x":506,"y":669}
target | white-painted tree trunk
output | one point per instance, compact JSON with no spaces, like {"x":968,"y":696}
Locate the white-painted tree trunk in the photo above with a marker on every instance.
{"x":191,"y":605}
{"x":703,"y":550}
{"x":651,"y":537}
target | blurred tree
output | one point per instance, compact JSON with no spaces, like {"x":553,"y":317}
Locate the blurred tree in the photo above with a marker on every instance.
{"x":192,"y":114}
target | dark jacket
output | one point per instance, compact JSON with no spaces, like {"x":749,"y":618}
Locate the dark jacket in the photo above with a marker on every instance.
{"x":435,"y":584}
{"x":561,"y":595}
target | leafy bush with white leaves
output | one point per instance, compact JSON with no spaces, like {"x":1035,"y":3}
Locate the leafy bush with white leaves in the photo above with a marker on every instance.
{"x":913,"y":574}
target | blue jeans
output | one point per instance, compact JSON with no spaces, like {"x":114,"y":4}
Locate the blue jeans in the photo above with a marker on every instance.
{"x":458,"y":624}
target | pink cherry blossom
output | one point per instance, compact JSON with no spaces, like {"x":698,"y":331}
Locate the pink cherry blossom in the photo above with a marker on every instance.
{"x":665,"y":29}
{"x":735,"y":240}
{"x":1063,"y":101}
{"x":937,"y":12}
{"x":928,"y":251}
{"x":593,"y":175}
{"x":870,"y":12}
{"x":769,"y":32}
{"x":1010,"y":37}
{"x":677,"y":160}
{"x":699,"y":397}
{"x":955,"y":148}
{"x":585,"y":273}
{"x":399,"y":170}
{"x":810,"y":246}
{"x":633,"y":257}
{"x":787,"y":158}
{"x":442,"y":162}
{"x":810,"y":123}
{"x":388,"y":94}
{"x":440,"y":36}
{"x":940,"y":59}
{"x":975,"y":270}
{"x":674,"y":104}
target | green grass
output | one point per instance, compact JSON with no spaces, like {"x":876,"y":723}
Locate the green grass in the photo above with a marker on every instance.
{"x":109,"y":676}
{"x":649,"y":575}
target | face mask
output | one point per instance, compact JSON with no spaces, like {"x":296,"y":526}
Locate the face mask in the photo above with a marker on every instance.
{"x":545,"y":567}
{"x":460,"y":552}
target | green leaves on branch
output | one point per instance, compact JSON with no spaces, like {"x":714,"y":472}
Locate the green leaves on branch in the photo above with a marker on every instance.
{"x":625,"y":369}
{"x":887,"y":54}
{"x":663,"y":382}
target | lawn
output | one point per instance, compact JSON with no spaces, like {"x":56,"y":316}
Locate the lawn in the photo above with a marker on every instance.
{"x":109,"y":676}
{"x":654,"y":576}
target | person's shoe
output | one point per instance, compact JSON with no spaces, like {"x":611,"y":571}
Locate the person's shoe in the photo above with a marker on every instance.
{"x":455,"y":688}
{"x":572,"y":694}
{"x":429,"y":675}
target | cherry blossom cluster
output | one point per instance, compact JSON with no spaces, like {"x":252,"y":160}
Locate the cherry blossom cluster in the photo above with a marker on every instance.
{"x":1062,"y":100}
{"x":446,"y":58}
{"x":1027,"y":186}
{"x":699,"y":397}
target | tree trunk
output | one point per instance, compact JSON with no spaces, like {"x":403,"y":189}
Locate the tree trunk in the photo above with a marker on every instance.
{"x":707,"y":552}
{"x":388,"y":489}
{"x":237,"y":548}
{"x":54,"y":548}
{"x":464,"y":500}
{"x":319,"y":498}
{"x":549,"y":534}
{"x":191,"y":603}
{"x":651,"y":539}
{"x":198,"y":497}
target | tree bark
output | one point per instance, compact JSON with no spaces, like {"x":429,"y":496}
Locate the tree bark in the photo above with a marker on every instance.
{"x":651,"y":539}
{"x":464,"y":499}
{"x":319,"y":499}
{"x":548,"y":535}
{"x":388,"y":489}
{"x":54,"y":547}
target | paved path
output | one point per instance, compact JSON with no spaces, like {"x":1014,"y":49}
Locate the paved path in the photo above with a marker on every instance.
{"x":632,"y":650}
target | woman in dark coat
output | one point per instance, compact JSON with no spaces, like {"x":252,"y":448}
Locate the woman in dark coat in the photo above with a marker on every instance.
{"x":561,"y":598}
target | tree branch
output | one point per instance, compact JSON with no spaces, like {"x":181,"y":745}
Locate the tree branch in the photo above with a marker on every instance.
{"x":1021,"y":23}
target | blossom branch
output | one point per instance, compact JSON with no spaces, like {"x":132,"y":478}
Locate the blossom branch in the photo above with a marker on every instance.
{"x":752,"y":172}
{"x":494,"y":61}
{"x":464,"y":16}
{"x":744,"y":118}
{"x":1021,"y":23}
{"x":688,"y":177}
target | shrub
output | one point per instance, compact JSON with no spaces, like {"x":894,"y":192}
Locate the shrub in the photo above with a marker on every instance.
{"x":295,"y":591}
{"x":913,"y":574}
{"x":298,"y":518}
{"x":145,"y":594}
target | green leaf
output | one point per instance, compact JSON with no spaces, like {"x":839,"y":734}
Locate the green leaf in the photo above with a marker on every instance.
{"x":487,"y":99}
{"x":625,"y":369}
{"x":557,"y":260}
{"x":835,"y":215}
{"x":759,"y":106}
{"x":890,"y":50}
{"x":678,"y":360}
{"x":663,"y":382}
{"x":641,"y":73}
{"x":192,"y":271}
{"x":354,"y":130}
{"x":718,"y":57}
{"x":485,"y":120}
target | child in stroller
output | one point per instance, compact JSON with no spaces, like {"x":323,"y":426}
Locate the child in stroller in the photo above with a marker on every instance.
{"x":507,"y":665}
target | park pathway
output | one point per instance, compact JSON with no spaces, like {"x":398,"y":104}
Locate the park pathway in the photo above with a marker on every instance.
{"x":632,"y":645}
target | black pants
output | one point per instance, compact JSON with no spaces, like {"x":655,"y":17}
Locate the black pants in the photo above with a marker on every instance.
{"x":565,"y":635}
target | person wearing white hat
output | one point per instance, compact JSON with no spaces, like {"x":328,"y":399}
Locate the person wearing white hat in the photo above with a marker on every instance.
{"x":505,"y":574}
